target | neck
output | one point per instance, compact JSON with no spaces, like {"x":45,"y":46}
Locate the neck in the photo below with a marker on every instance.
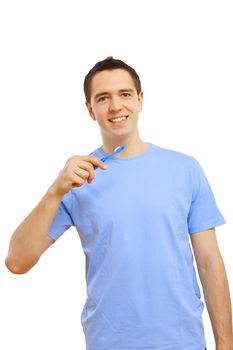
{"x":133,"y":146}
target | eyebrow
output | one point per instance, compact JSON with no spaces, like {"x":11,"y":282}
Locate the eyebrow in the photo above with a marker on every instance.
{"x":106,"y":93}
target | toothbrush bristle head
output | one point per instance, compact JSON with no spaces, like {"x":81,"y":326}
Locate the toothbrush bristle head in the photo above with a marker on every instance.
{"x":120,"y":148}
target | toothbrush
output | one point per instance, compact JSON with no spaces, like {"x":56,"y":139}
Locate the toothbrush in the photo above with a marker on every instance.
{"x":116,"y":150}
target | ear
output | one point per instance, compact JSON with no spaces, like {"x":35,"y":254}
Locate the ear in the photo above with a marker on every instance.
{"x":90,"y":110}
{"x":140,"y":100}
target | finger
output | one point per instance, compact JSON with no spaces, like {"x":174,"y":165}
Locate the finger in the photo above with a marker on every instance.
{"x":96,"y":162}
{"x":84,"y":174}
{"x":88,"y":167}
{"x":77,"y":181}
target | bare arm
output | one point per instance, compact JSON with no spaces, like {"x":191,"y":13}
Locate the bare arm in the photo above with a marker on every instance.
{"x":31,"y":239}
{"x":214,"y":281}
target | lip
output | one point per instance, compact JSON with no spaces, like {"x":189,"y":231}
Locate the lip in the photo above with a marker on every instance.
{"x":121,"y":122}
{"x":119,"y":125}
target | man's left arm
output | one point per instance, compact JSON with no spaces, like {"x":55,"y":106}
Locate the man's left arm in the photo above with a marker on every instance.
{"x":215,"y":286}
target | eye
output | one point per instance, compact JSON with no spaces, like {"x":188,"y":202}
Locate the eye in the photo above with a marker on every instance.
{"x":101,"y":99}
{"x":126,"y":94}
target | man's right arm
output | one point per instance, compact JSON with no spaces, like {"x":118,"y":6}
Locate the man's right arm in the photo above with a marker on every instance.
{"x":31,"y":239}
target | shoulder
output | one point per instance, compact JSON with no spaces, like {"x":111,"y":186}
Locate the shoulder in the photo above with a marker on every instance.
{"x":176,"y":158}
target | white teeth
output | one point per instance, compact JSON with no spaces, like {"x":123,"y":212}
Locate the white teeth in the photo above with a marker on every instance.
{"x":118,"y":119}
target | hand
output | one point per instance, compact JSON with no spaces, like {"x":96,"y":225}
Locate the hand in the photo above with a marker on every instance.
{"x":76,"y":171}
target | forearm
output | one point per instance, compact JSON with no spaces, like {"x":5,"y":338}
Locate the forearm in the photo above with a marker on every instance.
{"x":217,"y":297}
{"x":29,"y":238}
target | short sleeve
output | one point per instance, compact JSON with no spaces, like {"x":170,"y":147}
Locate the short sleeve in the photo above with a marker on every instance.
{"x":204,"y":212}
{"x":63,"y":219}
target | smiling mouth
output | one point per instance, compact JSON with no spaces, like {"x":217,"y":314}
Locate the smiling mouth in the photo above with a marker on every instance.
{"x":118,"y":119}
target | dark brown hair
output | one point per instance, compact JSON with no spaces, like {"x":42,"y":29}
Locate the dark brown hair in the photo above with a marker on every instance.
{"x":109,"y":63}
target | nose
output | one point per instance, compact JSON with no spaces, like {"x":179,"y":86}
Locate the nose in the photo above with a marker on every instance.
{"x":115,"y":104}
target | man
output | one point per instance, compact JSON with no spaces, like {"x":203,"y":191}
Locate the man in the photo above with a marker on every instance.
{"x":134,"y":218}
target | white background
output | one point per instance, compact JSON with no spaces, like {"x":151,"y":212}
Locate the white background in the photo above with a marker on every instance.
{"x":182,"y":51}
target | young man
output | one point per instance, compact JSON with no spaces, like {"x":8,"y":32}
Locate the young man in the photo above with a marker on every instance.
{"x":134,"y":218}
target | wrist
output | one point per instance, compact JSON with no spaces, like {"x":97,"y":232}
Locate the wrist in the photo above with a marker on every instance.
{"x":54,"y":193}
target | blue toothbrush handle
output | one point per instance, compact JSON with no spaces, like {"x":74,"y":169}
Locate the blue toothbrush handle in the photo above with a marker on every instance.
{"x":117,"y":150}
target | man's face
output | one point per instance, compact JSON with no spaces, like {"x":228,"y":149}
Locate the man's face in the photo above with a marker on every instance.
{"x":113,"y":94}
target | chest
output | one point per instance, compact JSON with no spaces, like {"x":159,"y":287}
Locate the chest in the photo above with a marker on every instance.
{"x":136,"y":195}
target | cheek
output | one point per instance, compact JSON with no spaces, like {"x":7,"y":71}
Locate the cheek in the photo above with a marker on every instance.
{"x":131,"y":106}
{"x":100,"y":113}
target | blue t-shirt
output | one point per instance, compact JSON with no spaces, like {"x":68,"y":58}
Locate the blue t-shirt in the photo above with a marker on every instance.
{"x":134,"y":222}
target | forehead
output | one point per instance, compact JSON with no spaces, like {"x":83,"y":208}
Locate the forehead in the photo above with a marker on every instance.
{"x":111,"y":81}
